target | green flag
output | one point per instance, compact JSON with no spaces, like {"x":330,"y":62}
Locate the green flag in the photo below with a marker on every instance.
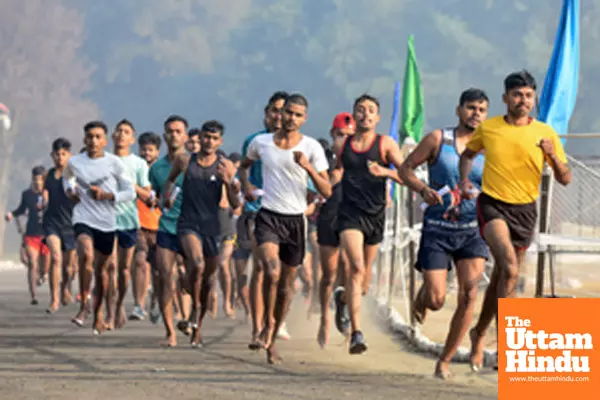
{"x":413,"y":116}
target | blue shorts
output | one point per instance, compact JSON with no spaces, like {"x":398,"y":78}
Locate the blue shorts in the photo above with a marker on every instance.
{"x":65,"y":234}
{"x":104,"y":242}
{"x":127,"y":239}
{"x":168,"y":241}
{"x":439,"y":247}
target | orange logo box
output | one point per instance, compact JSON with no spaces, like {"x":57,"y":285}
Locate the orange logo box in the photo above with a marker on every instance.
{"x":548,"y":349}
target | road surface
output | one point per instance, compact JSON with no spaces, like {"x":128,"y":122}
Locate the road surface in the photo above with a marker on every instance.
{"x":46,"y":357}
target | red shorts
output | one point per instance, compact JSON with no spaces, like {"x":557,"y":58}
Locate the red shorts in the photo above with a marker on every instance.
{"x":37,"y":244}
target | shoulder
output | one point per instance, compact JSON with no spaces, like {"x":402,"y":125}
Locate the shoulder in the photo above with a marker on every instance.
{"x":543,"y":128}
{"x":492,"y":123}
{"x":311,"y":143}
{"x":251,"y":137}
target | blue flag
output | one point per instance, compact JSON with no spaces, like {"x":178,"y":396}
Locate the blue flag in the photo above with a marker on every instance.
{"x":560,"y":87}
{"x":394,"y":128}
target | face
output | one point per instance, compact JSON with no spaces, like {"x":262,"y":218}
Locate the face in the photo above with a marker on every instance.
{"x":293,"y":117}
{"x":519,"y":101}
{"x":175,"y":135}
{"x":95,"y":140}
{"x":123,"y":136}
{"x":60,"y":157}
{"x":471,"y":113}
{"x":366,"y":115}
{"x":273,"y":116}
{"x":339,"y":136}
{"x":149,"y":152}
{"x":237,"y":164}
{"x":193,"y":144}
{"x":37,"y":182}
{"x":210,"y":142}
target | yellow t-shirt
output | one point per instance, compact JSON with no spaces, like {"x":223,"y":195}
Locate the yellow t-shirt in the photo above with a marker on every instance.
{"x":514,"y":163}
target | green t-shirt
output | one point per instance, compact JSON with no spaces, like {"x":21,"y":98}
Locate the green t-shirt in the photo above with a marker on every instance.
{"x":159,"y":172}
{"x":127,"y":212}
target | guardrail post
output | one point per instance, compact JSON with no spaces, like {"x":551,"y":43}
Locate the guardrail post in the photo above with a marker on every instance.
{"x":544,"y":224}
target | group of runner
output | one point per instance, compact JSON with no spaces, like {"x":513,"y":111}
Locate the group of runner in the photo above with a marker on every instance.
{"x":177,"y":222}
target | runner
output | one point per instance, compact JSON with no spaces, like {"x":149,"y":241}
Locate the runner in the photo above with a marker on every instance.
{"x":516,"y":148}
{"x":96,"y":181}
{"x":288,"y":159}
{"x":332,"y":260}
{"x":207,"y":177}
{"x":245,"y":224}
{"x":58,"y":228}
{"x":193,"y":143}
{"x":239,"y":298}
{"x":128,"y":222}
{"x":449,"y":230}
{"x":32,"y":204}
{"x":167,"y":244}
{"x":145,"y":270}
{"x":361,"y":218}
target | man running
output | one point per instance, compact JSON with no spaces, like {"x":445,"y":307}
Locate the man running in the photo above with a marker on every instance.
{"x":96,"y":181}
{"x":329,"y":242}
{"x":364,"y":159}
{"x":516,"y":149}
{"x":289,"y":159}
{"x":245,"y":224}
{"x":206,"y":178}
{"x":58,"y":228}
{"x":32,"y":204}
{"x":145,"y":270}
{"x":449,"y":230}
{"x":128,"y":222}
{"x":167,"y":243}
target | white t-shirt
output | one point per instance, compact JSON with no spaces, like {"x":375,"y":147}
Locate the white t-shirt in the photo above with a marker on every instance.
{"x":107,"y":172}
{"x":127,"y":212}
{"x":285,"y":183}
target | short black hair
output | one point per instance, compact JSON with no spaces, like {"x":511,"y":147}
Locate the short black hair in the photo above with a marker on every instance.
{"x":61,"y":144}
{"x":279,"y":95}
{"x":127,"y":122}
{"x":194,"y":132}
{"x":235,"y":157}
{"x":38,"y":170}
{"x":213,"y":126}
{"x":175,"y":118}
{"x":518,"y":80}
{"x":324,"y":143}
{"x":149,"y":138}
{"x":298,"y":99}
{"x":472,"y":94}
{"x":95,"y":124}
{"x":365,"y":97}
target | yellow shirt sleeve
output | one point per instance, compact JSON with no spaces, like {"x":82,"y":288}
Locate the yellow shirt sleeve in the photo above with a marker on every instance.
{"x":476,"y":142}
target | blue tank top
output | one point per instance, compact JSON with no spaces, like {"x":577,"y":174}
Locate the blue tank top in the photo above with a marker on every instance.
{"x":444,"y":171}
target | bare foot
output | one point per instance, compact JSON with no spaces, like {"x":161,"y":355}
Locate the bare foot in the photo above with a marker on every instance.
{"x":476,"y":359}
{"x":169,"y":341}
{"x":442,"y":370}
{"x":196,"y":338}
{"x":110,"y":324}
{"x":419,"y":309}
{"x":121,"y":318}
{"x":79,"y":319}
{"x":52,"y":309}
{"x":266,"y":337}
{"x":66,"y":299}
{"x":273,"y":356}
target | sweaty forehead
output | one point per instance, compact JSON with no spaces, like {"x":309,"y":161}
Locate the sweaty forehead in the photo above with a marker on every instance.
{"x":176,"y":126}
{"x":296,"y":108}
{"x":368,"y":104}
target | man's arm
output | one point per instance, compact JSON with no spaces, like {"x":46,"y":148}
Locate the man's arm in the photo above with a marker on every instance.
{"x":226,"y":171}
{"x":142,"y":186}
{"x":465,"y":164}
{"x":317,"y":157}
{"x":250,"y":154}
{"x":125,"y":186}
{"x":180,"y":164}
{"x":556,"y":158}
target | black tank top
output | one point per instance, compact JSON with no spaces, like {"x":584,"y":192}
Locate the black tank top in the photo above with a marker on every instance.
{"x":59,"y":212}
{"x":361,"y":191}
{"x":202,"y":189}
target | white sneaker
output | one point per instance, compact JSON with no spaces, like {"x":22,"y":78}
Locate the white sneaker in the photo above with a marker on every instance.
{"x":283,"y":333}
{"x":138,"y":314}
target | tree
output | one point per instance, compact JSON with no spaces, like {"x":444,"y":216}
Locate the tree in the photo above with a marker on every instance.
{"x":44,"y":81}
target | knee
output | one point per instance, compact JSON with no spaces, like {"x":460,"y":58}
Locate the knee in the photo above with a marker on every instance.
{"x":437,"y":299}
{"x":357,"y":270}
{"x":328,"y":277}
{"x":467,"y":294}
{"x":140,"y":259}
{"x":198,"y":263}
{"x":510,"y":266}
{"x":273,"y":269}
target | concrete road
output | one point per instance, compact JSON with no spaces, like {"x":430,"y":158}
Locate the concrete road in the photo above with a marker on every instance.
{"x":46,"y":357}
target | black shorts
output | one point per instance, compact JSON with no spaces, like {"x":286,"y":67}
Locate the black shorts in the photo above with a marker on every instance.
{"x":169,"y":242}
{"x":440,"y":246}
{"x":371,"y":226}
{"x":65,"y":234}
{"x":327,"y":233}
{"x":211,"y":244}
{"x":243,"y":226}
{"x":146,"y":243}
{"x":520,"y":218}
{"x":104,"y":242}
{"x":288,"y":231}
{"x":127,"y":239}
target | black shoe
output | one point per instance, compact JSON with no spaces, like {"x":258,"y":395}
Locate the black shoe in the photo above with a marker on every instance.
{"x":342,"y":321}
{"x":357,"y":343}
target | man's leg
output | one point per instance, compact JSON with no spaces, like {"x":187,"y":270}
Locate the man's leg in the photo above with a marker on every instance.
{"x":468,"y":273}
{"x":191,"y":245}
{"x":125,"y":251}
{"x":56,"y":260}
{"x":269,"y":255}
{"x":85,"y":253}
{"x":241,"y":271}
{"x":257,"y":298}
{"x":225,"y":277}
{"x":165,"y":259}
{"x":330,"y":260}
{"x":141,"y":275}
{"x":32,"y":268}
{"x":69,"y":263}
